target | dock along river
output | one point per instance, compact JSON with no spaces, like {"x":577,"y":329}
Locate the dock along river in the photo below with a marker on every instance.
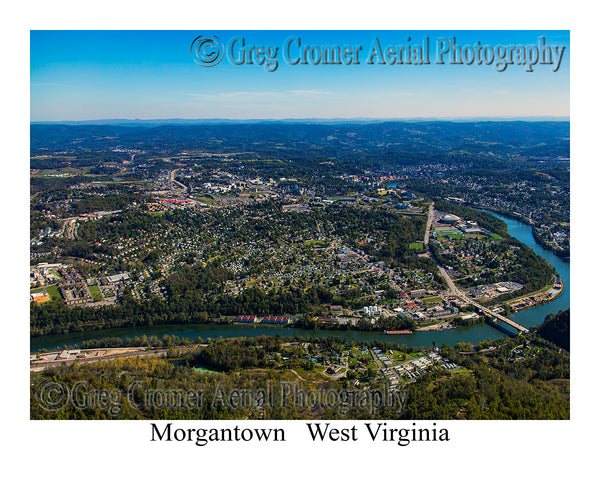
{"x":473,"y":334}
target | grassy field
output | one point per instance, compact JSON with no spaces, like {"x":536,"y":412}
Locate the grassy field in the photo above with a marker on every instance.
{"x":203,"y":199}
{"x":432,"y":300}
{"x":353,"y":361}
{"x":418,"y":246}
{"x":400,"y":357}
{"x":478,"y":235}
{"x":453,"y":236}
{"x":72,"y":170}
{"x":358,"y":353}
{"x":315,"y":243}
{"x":53,"y":292}
{"x":96,"y":294}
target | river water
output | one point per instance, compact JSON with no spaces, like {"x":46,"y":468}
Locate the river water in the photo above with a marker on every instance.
{"x":473,"y":334}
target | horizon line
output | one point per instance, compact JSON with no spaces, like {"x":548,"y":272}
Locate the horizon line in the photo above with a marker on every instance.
{"x":318,"y":119}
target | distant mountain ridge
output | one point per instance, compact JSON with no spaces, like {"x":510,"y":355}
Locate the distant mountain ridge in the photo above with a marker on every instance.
{"x":500,"y":138}
{"x":327,"y":121}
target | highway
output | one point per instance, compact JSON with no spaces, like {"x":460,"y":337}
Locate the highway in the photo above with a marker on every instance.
{"x":39,"y":366}
{"x":173,"y":181}
{"x":429,"y":222}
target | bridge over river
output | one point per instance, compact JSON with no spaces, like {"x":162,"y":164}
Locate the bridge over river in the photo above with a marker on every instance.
{"x":459,"y":293}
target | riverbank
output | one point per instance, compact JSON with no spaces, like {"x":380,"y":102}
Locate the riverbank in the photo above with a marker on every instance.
{"x":438,"y":327}
{"x":535,"y":315}
{"x":565,"y":256}
{"x":535,"y":299}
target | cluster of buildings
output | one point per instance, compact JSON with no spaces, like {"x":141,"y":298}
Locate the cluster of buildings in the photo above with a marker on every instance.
{"x":409,"y":370}
{"x":388,"y":371}
{"x":531,"y":201}
{"x":44,"y":273}
{"x":372,"y":310}
{"x":447,"y":223}
{"x":542,"y":297}
{"x":298,"y":208}
{"x":490,"y":291}
{"x":174,"y":202}
{"x":46,"y":233}
{"x":421,"y":365}
{"x":39,"y":297}
{"x":333,"y":320}
{"x":73,"y":287}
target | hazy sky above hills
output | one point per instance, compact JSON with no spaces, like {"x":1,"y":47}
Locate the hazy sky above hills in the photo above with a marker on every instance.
{"x":83,"y":75}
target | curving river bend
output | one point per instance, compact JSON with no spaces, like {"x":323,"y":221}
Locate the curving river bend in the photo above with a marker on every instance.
{"x":474,"y":334}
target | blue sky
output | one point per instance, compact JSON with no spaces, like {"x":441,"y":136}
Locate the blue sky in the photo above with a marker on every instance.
{"x":88,"y":75}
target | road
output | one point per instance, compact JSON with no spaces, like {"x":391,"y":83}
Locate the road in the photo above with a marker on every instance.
{"x":39,"y":366}
{"x":381,"y":368}
{"x":172,"y":178}
{"x":69,"y":229}
{"x":429,"y":222}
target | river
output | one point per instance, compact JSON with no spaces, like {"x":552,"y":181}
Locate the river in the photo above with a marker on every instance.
{"x":473,"y":334}
{"x":536,"y":315}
